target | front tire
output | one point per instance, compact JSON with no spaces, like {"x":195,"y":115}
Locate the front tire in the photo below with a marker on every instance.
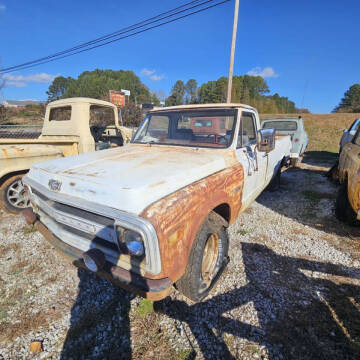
{"x":343,"y":210}
{"x":208,"y":256}
{"x":13,"y":195}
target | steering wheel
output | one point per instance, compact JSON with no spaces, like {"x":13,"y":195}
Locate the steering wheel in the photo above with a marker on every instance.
{"x":217,"y":138}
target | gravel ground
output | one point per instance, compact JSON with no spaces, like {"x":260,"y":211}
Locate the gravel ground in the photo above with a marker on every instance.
{"x":291,"y":291}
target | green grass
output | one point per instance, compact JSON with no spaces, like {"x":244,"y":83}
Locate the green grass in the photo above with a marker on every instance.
{"x":29,"y":229}
{"x":242,"y":232}
{"x":145,"y":307}
{"x":184,"y":354}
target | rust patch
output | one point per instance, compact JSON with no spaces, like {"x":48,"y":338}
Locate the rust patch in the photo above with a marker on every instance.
{"x":6,"y":155}
{"x":349,"y":169}
{"x":186,"y":209}
{"x":157,"y":183}
{"x":78,"y":173}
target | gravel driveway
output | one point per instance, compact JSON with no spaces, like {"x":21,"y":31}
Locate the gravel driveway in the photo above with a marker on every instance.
{"x":291,"y":291}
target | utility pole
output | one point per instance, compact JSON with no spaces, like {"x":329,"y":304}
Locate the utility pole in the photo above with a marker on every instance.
{"x":232,"y":53}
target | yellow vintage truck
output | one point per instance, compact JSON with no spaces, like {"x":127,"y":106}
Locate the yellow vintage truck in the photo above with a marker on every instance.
{"x":71,"y":127}
{"x":348,"y":200}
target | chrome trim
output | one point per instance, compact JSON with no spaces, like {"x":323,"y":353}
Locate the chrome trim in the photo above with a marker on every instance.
{"x":122,"y":218}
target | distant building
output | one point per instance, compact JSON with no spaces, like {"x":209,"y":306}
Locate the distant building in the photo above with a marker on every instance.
{"x":20,"y":103}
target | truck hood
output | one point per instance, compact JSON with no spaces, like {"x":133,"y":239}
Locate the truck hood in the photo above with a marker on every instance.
{"x":132,"y":177}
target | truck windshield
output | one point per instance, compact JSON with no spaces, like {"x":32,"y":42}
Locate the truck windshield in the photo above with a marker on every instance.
{"x":281,"y":125}
{"x":199,"y":128}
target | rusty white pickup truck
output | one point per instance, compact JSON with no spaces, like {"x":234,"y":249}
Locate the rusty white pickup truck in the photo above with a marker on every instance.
{"x":71,"y":126}
{"x":156,"y":212}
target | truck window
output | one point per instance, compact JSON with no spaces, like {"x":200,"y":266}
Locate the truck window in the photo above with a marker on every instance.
{"x":62,"y":113}
{"x":355,"y":125}
{"x":357,"y":138}
{"x":281,"y":125}
{"x":247,"y":131}
{"x":101,"y":115}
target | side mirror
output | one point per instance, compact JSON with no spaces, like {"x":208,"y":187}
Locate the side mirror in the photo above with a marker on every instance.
{"x":345,"y":131}
{"x":266,"y":140}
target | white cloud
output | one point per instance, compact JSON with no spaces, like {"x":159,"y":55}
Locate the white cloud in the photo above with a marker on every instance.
{"x":2,"y":7}
{"x":22,"y":81}
{"x":151,"y":74}
{"x":266,"y":72}
{"x":147,"y":72}
{"x":157,"y":77}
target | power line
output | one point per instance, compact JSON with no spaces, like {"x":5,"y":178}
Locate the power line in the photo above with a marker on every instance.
{"x":105,"y":37}
{"x":85,"y":46}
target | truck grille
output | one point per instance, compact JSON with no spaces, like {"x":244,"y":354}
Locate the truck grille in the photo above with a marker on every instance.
{"x":84,"y":225}
{"x":77,"y":227}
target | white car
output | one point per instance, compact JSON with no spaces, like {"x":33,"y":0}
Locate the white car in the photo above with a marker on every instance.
{"x":349,"y":133}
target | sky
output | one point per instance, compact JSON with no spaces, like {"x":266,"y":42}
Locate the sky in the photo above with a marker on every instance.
{"x":306,"y":50}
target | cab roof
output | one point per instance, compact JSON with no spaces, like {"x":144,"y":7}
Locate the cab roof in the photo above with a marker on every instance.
{"x":204,"y":106}
{"x":78,"y":100}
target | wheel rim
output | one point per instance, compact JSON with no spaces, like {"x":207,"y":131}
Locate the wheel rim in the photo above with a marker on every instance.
{"x":17,"y":195}
{"x":210,"y":257}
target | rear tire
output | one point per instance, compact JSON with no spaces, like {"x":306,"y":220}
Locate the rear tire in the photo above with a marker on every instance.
{"x":208,"y":256}
{"x":343,"y":210}
{"x":13,"y":196}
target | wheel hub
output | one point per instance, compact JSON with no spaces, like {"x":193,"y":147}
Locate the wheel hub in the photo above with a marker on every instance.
{"x":210,"y":257}
{"x":17,"y":195}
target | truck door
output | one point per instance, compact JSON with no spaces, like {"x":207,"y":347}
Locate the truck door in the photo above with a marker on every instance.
{"x":254,"y":162}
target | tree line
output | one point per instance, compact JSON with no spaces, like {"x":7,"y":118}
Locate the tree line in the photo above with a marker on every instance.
{"x":350,"y":103}
{"x":97,"y":83}
{"x":251,"y":90}
{"x":246,"y":89}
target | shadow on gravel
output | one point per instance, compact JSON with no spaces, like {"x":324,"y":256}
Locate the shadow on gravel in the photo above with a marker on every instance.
{"x":305,"y":310}
{"x":308,"y":196}
{"x":299,"y":317}
{"x":322,"y":157}
{"x":99,"y":323}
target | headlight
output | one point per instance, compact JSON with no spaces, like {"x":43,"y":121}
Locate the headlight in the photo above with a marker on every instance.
{"x":130,"y":241}
{"x":134,"y":243}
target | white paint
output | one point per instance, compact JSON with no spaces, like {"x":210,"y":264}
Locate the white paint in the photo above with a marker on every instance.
{"x":132,"y":177}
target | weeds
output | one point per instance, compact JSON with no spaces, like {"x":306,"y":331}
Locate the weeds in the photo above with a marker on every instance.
{"x":145,"y":307}
{"x":242,"y":232}
{"x":30,"y":229}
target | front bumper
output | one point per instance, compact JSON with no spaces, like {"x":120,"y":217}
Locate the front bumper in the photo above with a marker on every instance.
{"x":148,"y":288}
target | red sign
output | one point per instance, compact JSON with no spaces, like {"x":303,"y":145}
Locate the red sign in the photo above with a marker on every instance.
{"x":117,"y":98}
